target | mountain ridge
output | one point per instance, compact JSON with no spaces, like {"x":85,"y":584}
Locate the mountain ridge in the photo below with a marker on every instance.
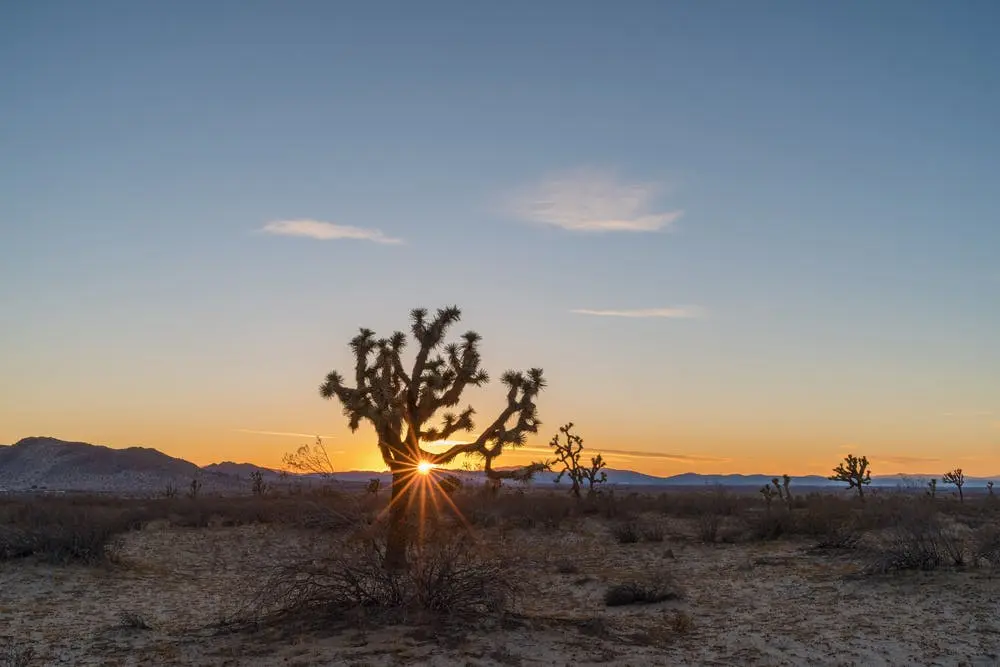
{"x":51,"y":463}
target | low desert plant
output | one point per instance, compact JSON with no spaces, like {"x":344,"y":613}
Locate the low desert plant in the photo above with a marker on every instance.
{"x":626,"y":532}
{"x":446,"y":576}
{"x":61,"y":533}
{"x":657,"y":588}
{"x":14,"y":653}
{"x":133,"y":621}
{"x":919,"y":541}
{"x":681,"y":623}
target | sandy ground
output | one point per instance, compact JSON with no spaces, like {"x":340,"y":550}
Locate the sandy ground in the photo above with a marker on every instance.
{"x":772,"y":603}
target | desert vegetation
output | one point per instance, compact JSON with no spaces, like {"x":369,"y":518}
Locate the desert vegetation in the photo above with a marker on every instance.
{"x":635,"y":576}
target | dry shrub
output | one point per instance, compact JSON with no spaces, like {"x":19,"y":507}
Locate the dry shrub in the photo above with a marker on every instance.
{"x":62,"y":533}
{"x":918,"y":541}
{"x":447,"y":576}
{"x":987,"y":545}
{"x":626,"y":533}
{"x":708,"y":526}
{"x":681,"y":623}
{"x":14,"y":653}
{"x":658,"y":587}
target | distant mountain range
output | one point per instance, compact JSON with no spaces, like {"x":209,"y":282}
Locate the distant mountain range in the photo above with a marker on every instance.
{"x":52,"y":464}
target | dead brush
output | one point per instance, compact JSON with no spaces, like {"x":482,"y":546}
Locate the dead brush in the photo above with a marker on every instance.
{"x":658,"y":587}
{"x":61,"y":533}
{"x":919,"y":541}
{"x":446,"y":577}
{"x":14,"y":653}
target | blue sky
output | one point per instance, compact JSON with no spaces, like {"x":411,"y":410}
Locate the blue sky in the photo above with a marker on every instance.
{"x":804,"y":194}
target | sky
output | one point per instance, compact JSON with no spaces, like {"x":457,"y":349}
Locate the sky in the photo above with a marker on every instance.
{"x":738,"y":237}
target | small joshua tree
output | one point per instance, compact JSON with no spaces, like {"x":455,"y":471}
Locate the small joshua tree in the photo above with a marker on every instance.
{"x":932,"y":488}
{"x":855,"y":472}
{"x":311,"y":460}
{"x":989,"y":487}
{"x":786,"y":484}
{"x":956,"y":477}
{"x":569,"y":454}
{"x":194,"y":488}
{"x":401,"y":402}
{"x":769,"y":492}
{"x":374,"y":485}
{"x":595,"y":474}
{"x":259,"y":487}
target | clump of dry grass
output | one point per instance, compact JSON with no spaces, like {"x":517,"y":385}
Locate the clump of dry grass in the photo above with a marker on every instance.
{"x":14,"y":653}
{"x":918,"y":541}
{"x":62,"y":533}
{"x":658,"y":587}
{"x":448,"y":576}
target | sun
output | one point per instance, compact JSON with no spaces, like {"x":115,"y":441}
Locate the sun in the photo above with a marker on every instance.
{"x":424,"y":467}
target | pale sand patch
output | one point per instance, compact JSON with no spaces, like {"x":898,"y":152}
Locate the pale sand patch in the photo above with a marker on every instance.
{"x":764,"y":603}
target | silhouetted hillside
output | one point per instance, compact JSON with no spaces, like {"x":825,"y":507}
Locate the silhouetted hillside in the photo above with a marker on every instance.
{"x":55,"y":464}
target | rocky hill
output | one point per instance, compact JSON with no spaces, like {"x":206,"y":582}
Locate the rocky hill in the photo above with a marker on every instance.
{"x":57,"y":465}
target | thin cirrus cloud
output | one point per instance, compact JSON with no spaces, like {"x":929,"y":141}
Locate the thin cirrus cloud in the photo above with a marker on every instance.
{"x":906,"y":460}
{"x":679,"y":312}
{"x":590,"y":200}
{"x":326,"y":231}
{"x":622,"y":453}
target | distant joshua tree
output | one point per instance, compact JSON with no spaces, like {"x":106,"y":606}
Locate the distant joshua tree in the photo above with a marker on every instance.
{"x":194,"y":488}
{"x":932,"y":488}
{"x":769,"y":492}
{"x":855,"y":472}
{"x":569,"y":455}
{"x":400,"y":403}
{"x":374,"y":485}
{"x":989,"y":487}
{"x":956,"y":477}
{"x":259,"y":487}
{"x":782,"y":489}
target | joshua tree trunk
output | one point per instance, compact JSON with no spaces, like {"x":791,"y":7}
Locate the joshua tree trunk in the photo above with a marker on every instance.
{"x":396,"y":540}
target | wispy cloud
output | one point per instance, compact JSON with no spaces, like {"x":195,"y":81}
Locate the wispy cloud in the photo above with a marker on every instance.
{"x":282,"y":433}
{"x":590,"y":200}
{"x":325,"y":231}
{"x":679,"y":312}
{"x":623,"y":453}
{"x":906,"y":460}
{"x":671,"y":456}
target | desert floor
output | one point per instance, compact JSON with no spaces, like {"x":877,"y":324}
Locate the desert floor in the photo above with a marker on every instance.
{"x":773,"y":603}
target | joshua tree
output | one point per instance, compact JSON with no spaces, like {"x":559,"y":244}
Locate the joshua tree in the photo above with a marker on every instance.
{"x":595,"y":473}
{"x":989,"y":487}
{"x":400,"y":403}
{"x":769,"y":492}
{"x":932,"y":488}
{"x":311,"y":460}
{"x":786,"y":484}
{"x":855,"y":472}
{"x":374,"y":484}
{"x":259,"y":487}
{"x":956,"y":477}
{"x":569,"y":455}
{"x":194,"y":488}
